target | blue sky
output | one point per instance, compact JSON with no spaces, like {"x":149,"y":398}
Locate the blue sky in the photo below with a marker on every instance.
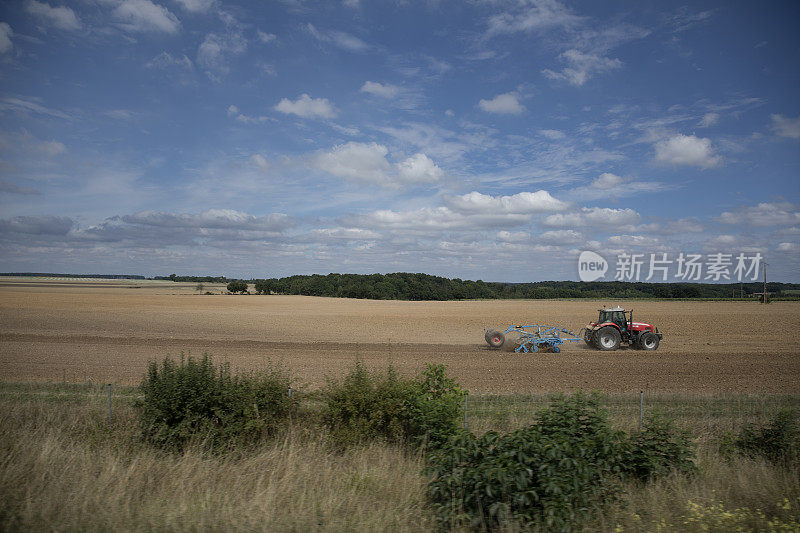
{"x":482,"y":140}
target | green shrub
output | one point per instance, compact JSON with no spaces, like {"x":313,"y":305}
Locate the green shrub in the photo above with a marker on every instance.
{"x":237,"y":286}
{"x":194,"y":400}
{"x":659,"y":448}
{"x":552,"y":475}
{"x":779,"y":441}
{"x":364,"y":407}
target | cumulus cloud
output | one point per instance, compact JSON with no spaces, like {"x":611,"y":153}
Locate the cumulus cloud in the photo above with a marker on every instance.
{"x":60,"y":17}
{"x":265,"y":37}
{"x":339,"y":39}
{"x":786,"y":126}
{"x":607,"y":180}
{"x":307,"y":107}
{"x":37,"y":225}
{"x":368,"y":163}
{"x":145,"y":16}
{"x":687,"y":150}
{"x":599,"y":218}
{"x":513,"y":236}
{"x":763,"y":215}
{"x":523,"y":203}
{"x":384,"y":90}
{"x":581,"y":67}
{"x":234,"y":112}
{"x":419,"y":168}
{"x":433,"y":219}
{"x":505,"y":104}
{"x":5,"y":37}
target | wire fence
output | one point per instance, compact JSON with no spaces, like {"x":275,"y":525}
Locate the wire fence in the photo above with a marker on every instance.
{"x":711,"y":413}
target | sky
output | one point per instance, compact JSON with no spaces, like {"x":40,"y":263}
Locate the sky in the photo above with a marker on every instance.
{"x":492,"y":140}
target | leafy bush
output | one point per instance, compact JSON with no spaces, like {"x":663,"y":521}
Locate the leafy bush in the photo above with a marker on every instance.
{"x":365,"y":407}
{"x":237,"y":286}
{"x":193,"y":399}
{"x":779,"y":441}
{"x":659,"y":448}
{"x":550,"y":475}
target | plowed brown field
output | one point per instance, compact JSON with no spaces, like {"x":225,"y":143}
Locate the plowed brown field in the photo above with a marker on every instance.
{"x":106,"y":331}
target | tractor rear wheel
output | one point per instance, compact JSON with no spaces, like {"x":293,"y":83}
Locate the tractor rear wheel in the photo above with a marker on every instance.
{"x":649,"y":341}
{"x":607,"y":339}
{"x":495,"y":338}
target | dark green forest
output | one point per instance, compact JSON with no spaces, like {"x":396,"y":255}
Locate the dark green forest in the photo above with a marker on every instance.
{"x":408,"y":286}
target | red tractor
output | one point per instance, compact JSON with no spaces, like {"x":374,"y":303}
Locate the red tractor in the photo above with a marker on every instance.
{"x":613,"y":328}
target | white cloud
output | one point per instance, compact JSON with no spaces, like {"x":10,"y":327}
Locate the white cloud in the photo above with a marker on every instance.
{"x":364,"y":162}
{"x":37,"y":225}
{"x":52,"y":148}
{"x":562,"y":236}
{"x":513,"y":236}
{"x":307,"y":107}
{"x":379,"y":89}
{"x":532,"y":16}
{"x":507,"y":104}
{"x":212,"y":218}
{"x":5,"y":37}
{"x":145,"y":16}
{"x":214,"y":52}
{"x":788,"y":247}
{"x":785,"y":126}
{"x":60,"y":17}
{"x":523,"y":203}
{"x":763,"y":214}
{"x":197,"y":6}
{"x":627,"y":241}
{"x":709,"y":119}
{"x":607,"y":180}
{"x":419,"y":168}
{"x":358,"y":234}
{"x":581,"y":67}
{"x":165,"y":60}
{"x":434,"y":219}
{"x":339,"y":39}
{"x":686,"y":150}
{"x":27,"y":105}
{"x":260,"y":162}
{"x":233,"y":111}
{"x":553,"y":135}
{"x":599,"y":218}
{"x":266,"y":37}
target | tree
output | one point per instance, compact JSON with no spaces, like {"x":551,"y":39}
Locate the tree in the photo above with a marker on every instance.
{"x":237,"y":286}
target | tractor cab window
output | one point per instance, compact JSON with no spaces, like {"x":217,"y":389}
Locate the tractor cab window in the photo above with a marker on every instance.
{"x":618,"y":317}
{"x":603,"y":317}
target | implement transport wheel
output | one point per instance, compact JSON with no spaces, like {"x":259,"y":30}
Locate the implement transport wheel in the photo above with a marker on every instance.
{"x":649,"y":341}
{"x":607,"y":339}
{"x":495,"y":338}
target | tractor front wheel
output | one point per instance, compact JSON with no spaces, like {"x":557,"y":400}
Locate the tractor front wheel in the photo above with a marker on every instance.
{"x":607,"y":339}
{"x":649,"y":341}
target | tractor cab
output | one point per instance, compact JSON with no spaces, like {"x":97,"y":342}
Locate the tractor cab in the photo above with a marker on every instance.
{"x":616,"y":316}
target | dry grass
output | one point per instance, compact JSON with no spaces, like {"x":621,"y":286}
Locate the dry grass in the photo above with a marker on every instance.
{"x":63,"y":467}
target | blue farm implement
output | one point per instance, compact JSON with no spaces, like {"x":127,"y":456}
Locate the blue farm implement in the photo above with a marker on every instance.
{"x":531,"y":339}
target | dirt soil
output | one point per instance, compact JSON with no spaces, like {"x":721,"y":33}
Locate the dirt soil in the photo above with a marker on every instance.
{"x":106,"y":331}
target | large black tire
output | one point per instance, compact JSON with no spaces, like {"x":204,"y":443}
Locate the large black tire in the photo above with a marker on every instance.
{"x":607,"y":339}
{"x":587,"y":336}
{"x":495,"y":338}
{"x":648,"y":341}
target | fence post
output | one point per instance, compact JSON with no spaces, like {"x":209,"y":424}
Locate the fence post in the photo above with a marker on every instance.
{"x":641,"y":409}
{"x":109,"y":404}
{"x":466,"y":399}
{"x":289,"y":392}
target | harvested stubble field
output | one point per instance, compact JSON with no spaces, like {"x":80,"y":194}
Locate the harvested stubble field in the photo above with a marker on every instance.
{"x":106,"y":331}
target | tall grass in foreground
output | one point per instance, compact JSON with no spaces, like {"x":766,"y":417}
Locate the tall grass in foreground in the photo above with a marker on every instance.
{"x":63,"y":467}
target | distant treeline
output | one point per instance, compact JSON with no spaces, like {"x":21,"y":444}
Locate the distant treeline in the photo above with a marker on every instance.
{"x":194,"y":279}
{"x":407,"y":286}
{"x":53,"y":275}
